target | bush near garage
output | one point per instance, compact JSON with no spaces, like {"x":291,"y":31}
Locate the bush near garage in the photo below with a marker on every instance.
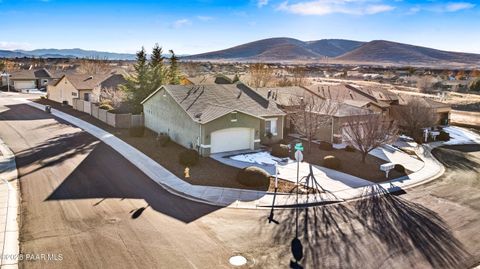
{"x":349,"y":148}
{"x":332,"y":162}
{"x":137,"y":131}
{"x":189,"y":157}
{"x":280,"y":151}
{"x":325,"y":146}
{"x":253,"y":177}
{"x":443,"y":136}
{"x":163,"y":139}
{"x":399,"y":168}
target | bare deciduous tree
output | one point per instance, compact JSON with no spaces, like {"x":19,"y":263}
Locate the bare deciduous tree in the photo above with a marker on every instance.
{"x":369,"y":131}
{"x":260,"y":75}
{"x":111,"y":96}
{"x":309,"y":114}
{"x":425,"y":84}
{"x":414,"y":116}
{"x":93,"y":66}
{"x":298,"y":75}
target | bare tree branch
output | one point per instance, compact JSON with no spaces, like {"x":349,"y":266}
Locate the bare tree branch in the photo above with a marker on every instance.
{"x":309,"y":114}
{"x":369,"y":131}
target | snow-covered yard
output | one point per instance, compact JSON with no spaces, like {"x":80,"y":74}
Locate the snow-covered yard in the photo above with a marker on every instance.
{"x":461,"y":136}
{"x":262,"y":158}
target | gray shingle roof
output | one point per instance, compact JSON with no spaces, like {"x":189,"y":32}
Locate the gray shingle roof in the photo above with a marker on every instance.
{"x":31,"y":74}
{"x":205,"y":103}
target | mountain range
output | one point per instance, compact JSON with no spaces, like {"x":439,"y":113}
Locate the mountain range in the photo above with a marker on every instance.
{"x":290,"y":50}
{"x":338,"y":51}
{"x":66,"y":53}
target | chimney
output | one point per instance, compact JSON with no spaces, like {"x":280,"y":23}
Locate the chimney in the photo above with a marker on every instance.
{"x":269,"y":94}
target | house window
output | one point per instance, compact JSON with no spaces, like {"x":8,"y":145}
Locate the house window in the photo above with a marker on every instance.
{"x":74,"y":94}
{"x":271,"y":126}
{"x":233,"y":117}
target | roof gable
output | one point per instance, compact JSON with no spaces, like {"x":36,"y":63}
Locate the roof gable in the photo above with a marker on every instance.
{"x":205,"y":103}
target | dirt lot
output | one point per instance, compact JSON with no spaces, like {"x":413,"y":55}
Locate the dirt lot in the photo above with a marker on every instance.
{"x":207,"y":172}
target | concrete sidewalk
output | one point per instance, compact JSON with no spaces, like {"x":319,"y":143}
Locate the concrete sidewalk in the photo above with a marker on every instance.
{"x":238,"y":198}
{"x":8,"y":208}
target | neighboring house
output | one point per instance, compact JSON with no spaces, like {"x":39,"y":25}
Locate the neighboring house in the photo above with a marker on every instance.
{"x":339,"y":112}
{"x":214,"y":118}
{"x":208,"y":80}
{"x":441,"y":110}
{"x":372,"y":98}
{"x":84,"y":87}
{"x":29,"y":79}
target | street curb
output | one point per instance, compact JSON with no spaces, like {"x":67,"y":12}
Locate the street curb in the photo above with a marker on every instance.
{"x":9,"y":176}
{"x":264,"y":200}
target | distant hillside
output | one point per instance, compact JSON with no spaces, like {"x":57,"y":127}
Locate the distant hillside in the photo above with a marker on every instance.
{"x":66,"y":53}
{"x":391,"y":52}
{"x":278,"y":49}
{"x":10,"y":54}
{"x":333,"y":47}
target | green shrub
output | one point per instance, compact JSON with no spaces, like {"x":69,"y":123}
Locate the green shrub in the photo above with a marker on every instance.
{"x":332,"y":162}
{"x":189,"y":157}
{"x":163,"y":140}
{"x":136,"y":131}
{"x":106,"y":107}
{"x":280,"y":151}
{"x":350,"y":148}
{"x":399,"y":168}
{"x":253,"y":177}
{"x":443,"y":136}
{"x":325,"y":146}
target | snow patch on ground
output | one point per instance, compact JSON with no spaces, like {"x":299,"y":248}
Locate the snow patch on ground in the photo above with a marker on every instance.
{"x":461,"y":136}
{"x":263,"y":158}
{"x":339,"y":146}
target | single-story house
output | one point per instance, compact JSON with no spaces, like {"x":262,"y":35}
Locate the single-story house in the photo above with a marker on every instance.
{"x":441,"y":110}
{"x":28,"y":79}
{"x":82,"y":86}
{"x":338,"y":113}
{"x":351,"y":95}
{"x":214,"y":118}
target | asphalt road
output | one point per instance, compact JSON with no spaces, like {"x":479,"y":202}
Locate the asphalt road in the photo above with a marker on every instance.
{"x":84,"y":201}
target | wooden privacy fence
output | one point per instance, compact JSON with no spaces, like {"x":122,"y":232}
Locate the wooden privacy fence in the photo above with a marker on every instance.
{"x":465,"y":117}
{"x":115,"y":120}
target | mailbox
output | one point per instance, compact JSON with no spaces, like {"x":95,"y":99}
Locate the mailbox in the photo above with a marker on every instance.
{"x":386,"y":167}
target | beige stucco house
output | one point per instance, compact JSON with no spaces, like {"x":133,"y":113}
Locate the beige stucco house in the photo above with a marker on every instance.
{"x":82,"y":86}
{"x":214,"y":118}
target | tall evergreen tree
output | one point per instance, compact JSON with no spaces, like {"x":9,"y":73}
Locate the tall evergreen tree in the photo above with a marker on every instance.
{"x":157,"y":68}
{"x":137,"y":85}
{"x":174,"y":77}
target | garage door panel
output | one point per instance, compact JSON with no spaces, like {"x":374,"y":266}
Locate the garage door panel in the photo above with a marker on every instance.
{"x":24,"y":85}
{"x":231,"y":139}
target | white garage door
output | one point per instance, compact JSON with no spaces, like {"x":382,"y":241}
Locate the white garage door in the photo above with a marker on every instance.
{"x":231,"y":139}
{"x":24,"y":84}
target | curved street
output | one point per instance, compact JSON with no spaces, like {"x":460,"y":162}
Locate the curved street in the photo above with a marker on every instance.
{"x":81,"y":199}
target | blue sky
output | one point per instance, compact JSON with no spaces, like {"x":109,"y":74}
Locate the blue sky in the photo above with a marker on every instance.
{"x":204,"y":25}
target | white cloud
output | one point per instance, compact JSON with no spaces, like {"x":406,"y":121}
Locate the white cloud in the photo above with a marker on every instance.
{"x":181,"y":23}
{"x":5,"y":45}
{"x":261,"y":3}
{"x":205,"y":18}
{"x":442,"y":8}
{"x":324,"y":7}
{"x":452,"y":7}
